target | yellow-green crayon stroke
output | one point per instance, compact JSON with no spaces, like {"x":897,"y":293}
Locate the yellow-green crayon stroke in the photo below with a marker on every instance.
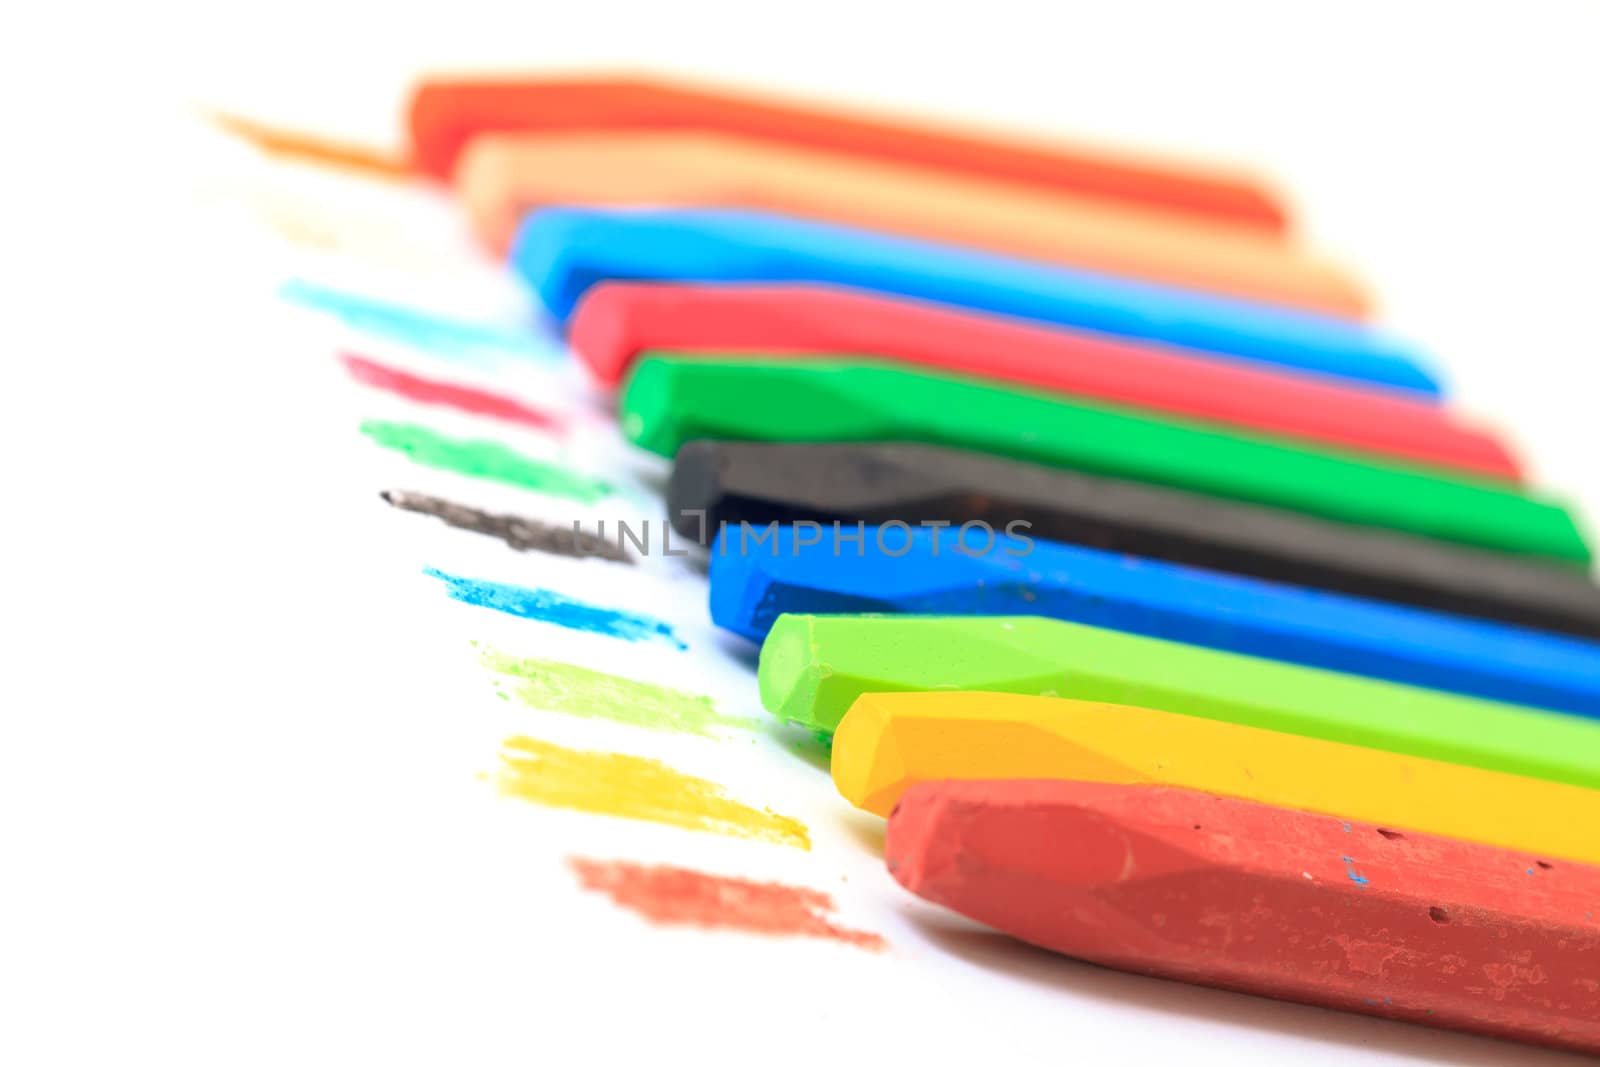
{"x":550,"y":685}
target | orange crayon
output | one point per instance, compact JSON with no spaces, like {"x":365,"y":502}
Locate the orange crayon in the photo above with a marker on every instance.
{"x":500,"y":177}
{"x":446,"y":115}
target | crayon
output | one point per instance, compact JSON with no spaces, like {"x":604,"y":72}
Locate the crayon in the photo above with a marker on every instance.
{"x":500,"y":178}
{"x":814,"y":667}
{"x":716,"y":482}
{"x":616,"y":321}
{"x":675,"y":397}
{"x":562,"y":251}
{"x":889,"y":742}
{"x":759,"y":574}
{"x":446,"y":114}
{"x":1285,"y":904}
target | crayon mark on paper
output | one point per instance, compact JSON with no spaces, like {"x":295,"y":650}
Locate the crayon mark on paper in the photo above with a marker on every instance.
{"x":633,"y":787}
{"x":548,"y":685}
{"x":447,"y":394}
{"x":426,"y":331}
{"x":488,"y":460}
{"x":676,"y":896}
{"x":524,"y":535}
{"x":544,"y":605}
{"x":306,"y":148}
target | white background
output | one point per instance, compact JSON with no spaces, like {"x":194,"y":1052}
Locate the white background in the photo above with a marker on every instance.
{"x":239,"y":821}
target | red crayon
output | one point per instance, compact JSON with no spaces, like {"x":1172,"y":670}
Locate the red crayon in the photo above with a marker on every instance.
{"x":1286,"y":904}
{"x":445,"y":115}
{"x":618,"y":320}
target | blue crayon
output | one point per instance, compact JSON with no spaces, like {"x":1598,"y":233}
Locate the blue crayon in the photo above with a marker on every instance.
{"x":562,"y":251}
{"x":894,"y":569}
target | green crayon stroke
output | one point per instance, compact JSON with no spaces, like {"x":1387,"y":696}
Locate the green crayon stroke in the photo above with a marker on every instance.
{"x":548,"y":685}
{"x":489,"y":460}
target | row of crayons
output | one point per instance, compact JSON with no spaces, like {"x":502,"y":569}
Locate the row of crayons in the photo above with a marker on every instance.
{"x":1151,"y":593}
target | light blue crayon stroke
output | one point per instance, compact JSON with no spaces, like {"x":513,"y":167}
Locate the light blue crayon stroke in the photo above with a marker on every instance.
{"x":423,"y":330}
{"x":543,"y":605}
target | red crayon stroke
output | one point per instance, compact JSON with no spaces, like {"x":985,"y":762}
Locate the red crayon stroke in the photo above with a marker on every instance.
{"x":674,"y":896}
{"x":461,"y":397}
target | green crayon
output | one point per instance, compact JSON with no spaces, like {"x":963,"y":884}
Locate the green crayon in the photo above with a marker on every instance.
{"x":676,"y":397}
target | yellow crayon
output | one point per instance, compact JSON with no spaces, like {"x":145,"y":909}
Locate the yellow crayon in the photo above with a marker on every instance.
{"x":888,"y":742}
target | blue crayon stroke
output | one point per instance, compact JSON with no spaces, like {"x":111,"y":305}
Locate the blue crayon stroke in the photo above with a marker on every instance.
{"x":423,"y":330}
{"x":542,"y":605}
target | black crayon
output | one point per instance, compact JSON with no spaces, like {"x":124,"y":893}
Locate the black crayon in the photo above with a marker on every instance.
{"x":733,"y":482}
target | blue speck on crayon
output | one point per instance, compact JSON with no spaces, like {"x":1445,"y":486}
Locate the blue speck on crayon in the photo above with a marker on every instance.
{"x":1530,"y":870}
{"x":544,"y":605}
{"x":1346,"y":827}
